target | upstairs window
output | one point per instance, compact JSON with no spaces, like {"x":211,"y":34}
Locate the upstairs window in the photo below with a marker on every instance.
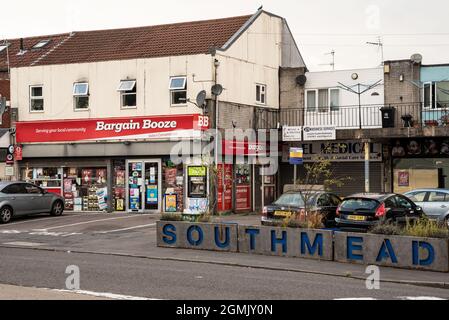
{"x":81,"y":96}
{"x":128,"y":94}
{"x":41,"y":44}
{"x":36,"y":98}
{"x":261,"y":93}
{"x":178,"y":91}
{"x":323,"y":100}
{"x":3,"y":47}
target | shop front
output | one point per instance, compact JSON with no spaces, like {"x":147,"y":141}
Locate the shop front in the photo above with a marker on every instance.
{"x":91,"y":171}
{"x":240,"y":187}
{"x":420,"y":163}
{"x":347,"y":162}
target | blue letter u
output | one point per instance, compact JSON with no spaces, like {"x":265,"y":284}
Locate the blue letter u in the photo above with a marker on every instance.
{"x":224,"y":244}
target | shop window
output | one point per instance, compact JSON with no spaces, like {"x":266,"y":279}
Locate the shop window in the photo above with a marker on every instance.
{"x":128,"y":94}
{"x":261,"y":93}
{"x":119,"y":187}
{"x":85,"y":189}
{"x":173,"y":187}
{"x":36,"y":98}
{"x":178,"y":91}
{"x":81,"y":96}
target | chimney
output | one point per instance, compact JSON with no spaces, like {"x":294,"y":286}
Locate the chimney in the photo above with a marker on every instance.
{"x":21,"y":45}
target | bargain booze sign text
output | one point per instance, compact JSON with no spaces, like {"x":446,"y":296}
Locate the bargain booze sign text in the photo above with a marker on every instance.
{"x":145,"y":128}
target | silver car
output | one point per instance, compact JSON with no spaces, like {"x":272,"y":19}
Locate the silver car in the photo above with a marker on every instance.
{"x":435,"y":203}
{"x":21,"y":198}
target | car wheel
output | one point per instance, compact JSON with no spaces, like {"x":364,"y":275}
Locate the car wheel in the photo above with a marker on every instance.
{"x":5,"y":215}
{"x":57,"y":209}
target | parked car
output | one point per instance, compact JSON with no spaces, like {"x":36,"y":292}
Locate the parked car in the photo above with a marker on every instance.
{"x":435,"y":203}
{"x":293,"y":202}
{"x":21,"y":198}
{"x":363,"y":211}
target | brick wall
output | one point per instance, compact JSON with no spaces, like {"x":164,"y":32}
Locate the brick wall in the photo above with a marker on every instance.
{"x":5,"y":92}
{"x":291,"y":95}
{"x":405,"y":94}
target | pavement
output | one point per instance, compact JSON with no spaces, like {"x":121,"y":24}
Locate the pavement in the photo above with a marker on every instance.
{"x":129,"y":242}
{"x":22,"y":293}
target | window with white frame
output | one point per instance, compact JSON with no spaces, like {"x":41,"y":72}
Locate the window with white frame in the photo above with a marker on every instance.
{"x":3,"y":47}
{"x":323,"y":100}
{"x":178,"y":91}
{"x":334,"y":99}
{"x":41,"y":44}
{"x":311,"y":100}
{"x":81,"y":96}
{"x":436,"y":95}
{"x":128,"y":94}
{"x":261,"y":93}
{"x":36,"y":98}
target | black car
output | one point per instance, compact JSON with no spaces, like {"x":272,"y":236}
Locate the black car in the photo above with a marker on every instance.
{"x":363,"y":211}
{"x":292,"y":203}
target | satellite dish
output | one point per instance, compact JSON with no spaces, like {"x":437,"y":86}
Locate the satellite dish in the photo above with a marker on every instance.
{"x":416,"y":58}
{"x":301,"y":80}
{"x":201,"y":99}
{"x":217,"y":89}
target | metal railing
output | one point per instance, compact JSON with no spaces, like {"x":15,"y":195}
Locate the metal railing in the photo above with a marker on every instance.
{"x":356,"y":117}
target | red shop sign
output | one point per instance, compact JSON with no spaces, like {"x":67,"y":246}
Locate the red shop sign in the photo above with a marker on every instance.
{"x":243,"y":148}
{"x":148,"y":128}
{"x":243,"y":198}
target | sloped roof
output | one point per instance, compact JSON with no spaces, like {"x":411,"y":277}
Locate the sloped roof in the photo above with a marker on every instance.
{"x":131,"y":43}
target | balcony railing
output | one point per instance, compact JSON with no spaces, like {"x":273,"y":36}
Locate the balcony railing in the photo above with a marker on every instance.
{"x":355,"y":117}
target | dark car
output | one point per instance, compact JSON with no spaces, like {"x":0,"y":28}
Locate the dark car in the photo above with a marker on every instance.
{"x":21,"y":199}
{"x":292,"y":203}
{"x":363,"y":211}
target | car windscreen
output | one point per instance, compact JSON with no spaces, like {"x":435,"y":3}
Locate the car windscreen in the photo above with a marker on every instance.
{"x":359,"y":204}
{"x":290,"y":200}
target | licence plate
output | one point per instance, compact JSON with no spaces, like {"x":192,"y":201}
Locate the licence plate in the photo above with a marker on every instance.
{"x":286,"y":214}
{"x":357,"y":218}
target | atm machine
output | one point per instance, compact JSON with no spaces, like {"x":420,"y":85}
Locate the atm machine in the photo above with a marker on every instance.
{"x":197,"y":189}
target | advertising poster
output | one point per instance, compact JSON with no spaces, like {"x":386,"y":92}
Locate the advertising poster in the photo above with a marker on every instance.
{"x":152,"y":195}
{"x":86,"y":176}
{"x":171,"y":203}
{"x":67,"y":185}
{"x":243,"y":198}
{"x":404,"y":179}
{"x":101,"y":176}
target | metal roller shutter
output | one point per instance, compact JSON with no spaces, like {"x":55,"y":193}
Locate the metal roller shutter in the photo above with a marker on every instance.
{"x":354,"y":170}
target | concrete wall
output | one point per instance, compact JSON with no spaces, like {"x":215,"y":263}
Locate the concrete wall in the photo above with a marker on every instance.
{"x":392,"y":251}
{"x":217,"y":237}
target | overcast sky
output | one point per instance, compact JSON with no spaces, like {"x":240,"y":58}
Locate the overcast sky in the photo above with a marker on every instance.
{"x":406,"y":26}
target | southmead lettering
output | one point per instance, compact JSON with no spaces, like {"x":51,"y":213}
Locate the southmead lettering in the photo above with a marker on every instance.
{"x":131,"y":125}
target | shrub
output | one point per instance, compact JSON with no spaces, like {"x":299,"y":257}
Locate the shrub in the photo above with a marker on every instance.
{"x":171,"y":217}
{"x":205,"y":218}
{"x":387,"y":229}
{"x":423,"y":228}
{"x":426,"y":228}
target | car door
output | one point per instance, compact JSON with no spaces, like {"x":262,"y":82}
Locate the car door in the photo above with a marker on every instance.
{"x":436,"y":204}
{"x":407,"y":206}
{"x":36,"y":200}
{"x":17,"y":198}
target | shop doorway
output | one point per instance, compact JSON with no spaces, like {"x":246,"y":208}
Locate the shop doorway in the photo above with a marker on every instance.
{"x":144,"y":186}
{"x":265,"y":188}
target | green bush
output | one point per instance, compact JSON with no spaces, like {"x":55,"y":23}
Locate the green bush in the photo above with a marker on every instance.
{"x":426,"y":228}
{"x":171,"y":217}
{"x":423,"y":228}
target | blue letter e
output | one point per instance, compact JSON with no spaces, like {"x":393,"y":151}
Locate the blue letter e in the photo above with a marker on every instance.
{"x":351,"y":247}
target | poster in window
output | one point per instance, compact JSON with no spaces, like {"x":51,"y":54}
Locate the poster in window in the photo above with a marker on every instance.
{"x":101,"y":176}
{"x":68,"y":185}
{"x":152,"y":195}
{"x":404,"y":179}
{"x":87,"y":176}
{"x":120,"y":177}
{"x":171,"y":203}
